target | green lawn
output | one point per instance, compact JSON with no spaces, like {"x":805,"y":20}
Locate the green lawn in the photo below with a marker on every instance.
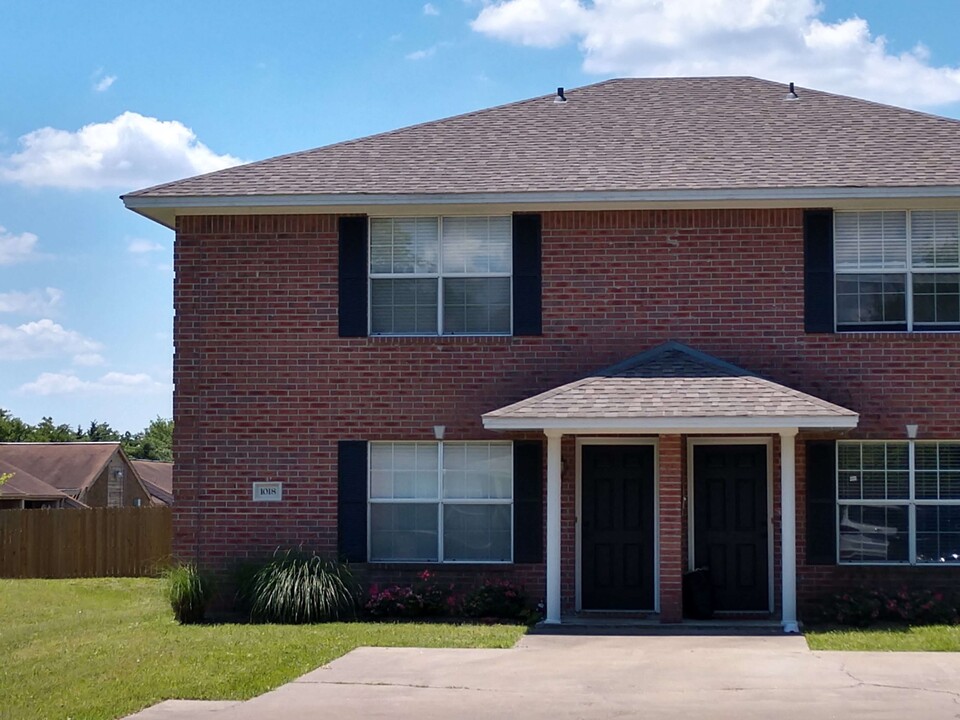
{"x":104,"y":648}
{"x":942,"y":638}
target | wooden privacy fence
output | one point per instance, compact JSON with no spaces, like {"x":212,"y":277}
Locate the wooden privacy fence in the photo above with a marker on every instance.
{"x":98,"y":542}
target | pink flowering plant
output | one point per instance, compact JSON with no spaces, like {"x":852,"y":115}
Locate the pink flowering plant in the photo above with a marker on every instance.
{"x":427,"y":597}
{"x":861,"y":608}
{"x":496,"y":599}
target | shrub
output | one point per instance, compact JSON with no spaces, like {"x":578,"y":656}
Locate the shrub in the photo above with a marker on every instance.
{"x":425,"y":598}
{"x":189,"y":592}
{"x":863,"y":607}
{"x":496,"y":599}
{"x":295,"y":587}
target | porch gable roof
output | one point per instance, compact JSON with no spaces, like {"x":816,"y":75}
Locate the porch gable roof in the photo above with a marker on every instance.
{"x":671,"y":386}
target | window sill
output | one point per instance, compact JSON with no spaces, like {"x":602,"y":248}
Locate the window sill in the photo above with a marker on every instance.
{"x":899,"y":565}
{"x":443,"y":339}
{"x":435,"y":566}
{"x":895,"y":331}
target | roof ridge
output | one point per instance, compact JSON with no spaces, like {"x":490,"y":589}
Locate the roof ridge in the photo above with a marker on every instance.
{"x":673,"y":345}
{"x":62,"y":442}
{"x":385,"y":133}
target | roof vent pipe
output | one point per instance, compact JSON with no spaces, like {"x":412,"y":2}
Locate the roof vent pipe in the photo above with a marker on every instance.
{"x":791,"y":95}
{"x":560,"y":98}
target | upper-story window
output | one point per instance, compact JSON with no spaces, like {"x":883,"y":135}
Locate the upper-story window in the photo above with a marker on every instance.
{"x":897,"y":270}
{"x":441,"y":276}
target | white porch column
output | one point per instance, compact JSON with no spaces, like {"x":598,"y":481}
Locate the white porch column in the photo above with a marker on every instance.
{"x":553,"y":528}
{"x":788,"y":530}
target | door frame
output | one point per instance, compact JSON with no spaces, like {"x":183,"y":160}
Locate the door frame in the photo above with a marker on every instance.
{"x":654,"y":443}
{"x":766,"y":442}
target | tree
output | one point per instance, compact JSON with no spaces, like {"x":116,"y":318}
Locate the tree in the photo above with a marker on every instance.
{"x":13,"y":429}
{"x":46,"y":431}
{"x":155,"y":442}
{"x":101,"y":432}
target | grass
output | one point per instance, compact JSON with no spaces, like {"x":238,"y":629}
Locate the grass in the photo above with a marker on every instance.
{"x":937,"y":638}
{"x":102,"y":648}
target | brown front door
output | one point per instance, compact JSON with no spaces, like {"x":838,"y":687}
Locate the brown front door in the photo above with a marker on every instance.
{"x":731,"y":525}
{"x":617,"y":527}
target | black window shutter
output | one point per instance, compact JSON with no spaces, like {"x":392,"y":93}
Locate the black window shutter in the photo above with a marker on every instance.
{"x":527,"y":501}
{"x":352,"y":274}
{"x":527,"y":275}
{"x":352,"y":500}
{"x":821,"y":502}
{"x":818,"y":284}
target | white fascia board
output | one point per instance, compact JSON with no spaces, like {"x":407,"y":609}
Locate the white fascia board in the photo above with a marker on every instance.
{"x":165,"y":209}
{"x":667,"y":425}
{"x":347,"y":199}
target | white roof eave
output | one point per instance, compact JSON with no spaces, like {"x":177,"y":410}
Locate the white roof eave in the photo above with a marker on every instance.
{"x":673,"y":425}
{"x":165,"y":209}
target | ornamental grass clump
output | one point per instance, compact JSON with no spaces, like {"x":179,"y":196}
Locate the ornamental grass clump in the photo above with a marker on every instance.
{"x":189,"y":592}
{"x":296,"y":588}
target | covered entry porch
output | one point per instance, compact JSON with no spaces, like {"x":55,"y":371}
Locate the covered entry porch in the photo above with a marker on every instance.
{"x":669,"y":461}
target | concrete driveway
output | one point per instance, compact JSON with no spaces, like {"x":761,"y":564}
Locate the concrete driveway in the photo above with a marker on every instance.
{"x":561,"y":676}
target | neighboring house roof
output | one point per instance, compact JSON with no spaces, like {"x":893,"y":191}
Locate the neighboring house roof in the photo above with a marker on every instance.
{"x":24,"y":486}
{"x":71,"y":467}
{"x":157,"y":477}
{"x":619,"y":136}
{"x":670,"y":385}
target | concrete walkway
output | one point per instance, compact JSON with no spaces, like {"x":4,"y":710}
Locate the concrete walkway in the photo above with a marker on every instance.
{"x":560,"y":676}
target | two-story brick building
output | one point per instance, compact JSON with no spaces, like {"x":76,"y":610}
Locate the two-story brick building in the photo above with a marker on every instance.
{"x":585,"y":342}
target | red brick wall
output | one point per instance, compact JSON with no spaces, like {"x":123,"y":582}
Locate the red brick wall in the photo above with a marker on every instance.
{"x":672,"y":563}
{"x":265,"y":388}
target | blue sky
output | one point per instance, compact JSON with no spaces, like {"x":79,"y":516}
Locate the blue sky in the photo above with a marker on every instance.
{"x":100,"y":98}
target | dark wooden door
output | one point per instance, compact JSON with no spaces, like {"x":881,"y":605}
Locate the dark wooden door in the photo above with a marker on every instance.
{"x":617,"y":527}
{"x":731,"y":525}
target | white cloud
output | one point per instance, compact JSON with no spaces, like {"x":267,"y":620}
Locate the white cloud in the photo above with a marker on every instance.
{"x":422,"y":54}
{"x":774,"y":39}
{"x":428,"y":52}
{"x":101,"y":81}
{"x":89,"y":359}
{"x":16,"y":248}
{"x":430,"y":9}
{"x":104,"y":83}
{"x":113,"y":383}
{"x":43,"y":338}
{"x":129,"y":152}
{"x":34,"y":302}
{"x":140,"y":246}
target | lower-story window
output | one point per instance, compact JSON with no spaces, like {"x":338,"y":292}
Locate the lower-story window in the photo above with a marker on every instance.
{"x":898,"y":502}
{"x":441,"y":502}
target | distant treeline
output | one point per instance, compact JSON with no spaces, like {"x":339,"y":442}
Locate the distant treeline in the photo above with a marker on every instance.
{"x":154,"y":442}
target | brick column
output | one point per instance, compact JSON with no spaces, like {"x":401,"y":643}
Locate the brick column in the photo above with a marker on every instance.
{"x":671,"y":528}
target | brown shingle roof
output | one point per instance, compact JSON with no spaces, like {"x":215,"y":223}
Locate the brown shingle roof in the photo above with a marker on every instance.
{"x":157,"y":477}
{"x":622,"y":135}
{"x":69,"y":467}
{"x":670,"y":382}
{"x":24,"y":485}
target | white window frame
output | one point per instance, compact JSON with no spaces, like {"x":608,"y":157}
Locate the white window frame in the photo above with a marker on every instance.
{"x":439,"y":276}
{"x":911,"y":504}
{"x":440,"y":501}
{"x":908,"y":271}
